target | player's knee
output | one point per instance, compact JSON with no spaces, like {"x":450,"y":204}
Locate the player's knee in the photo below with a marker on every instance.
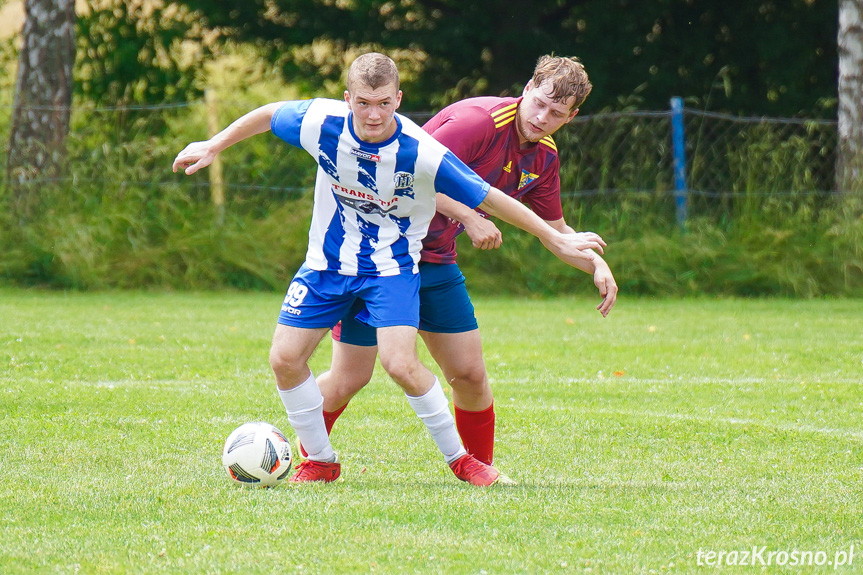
{"x":396,"y":368}
{"x":285,"y":364}
{"x":402,"y":369}
{"x":356,"y":377}
{"x":470,"y":379}
{"x":348,"y":385}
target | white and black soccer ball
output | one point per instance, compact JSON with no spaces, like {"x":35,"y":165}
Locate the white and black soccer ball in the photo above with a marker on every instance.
{"x":257,"y":454}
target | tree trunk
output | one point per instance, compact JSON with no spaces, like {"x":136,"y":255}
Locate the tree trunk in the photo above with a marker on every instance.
{"x":849,"y":171}
{"x":43,"y":95}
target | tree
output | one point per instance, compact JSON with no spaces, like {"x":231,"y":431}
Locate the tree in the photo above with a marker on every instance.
{"x":43,"y":94}
{"x":771,"y":57}
{"x":849,"y":173}
{"x":130,"y":53}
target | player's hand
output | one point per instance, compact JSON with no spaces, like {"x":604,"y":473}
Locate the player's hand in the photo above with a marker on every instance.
{"x":195,"y":156}
{"x":604,"y":281}
{"x":590,"y":241}
{"x":483,"y":234}
{"x":573,"y":249}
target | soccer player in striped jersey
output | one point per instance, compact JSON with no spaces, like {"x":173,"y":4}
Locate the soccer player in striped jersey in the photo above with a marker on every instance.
{"x":375,"y":191}
{"x":508,"y":142}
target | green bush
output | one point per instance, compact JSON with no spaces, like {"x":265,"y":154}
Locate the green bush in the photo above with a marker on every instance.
{"x":804,"y":254}
{"x":120,"y":218}
{"x":152,"y":236}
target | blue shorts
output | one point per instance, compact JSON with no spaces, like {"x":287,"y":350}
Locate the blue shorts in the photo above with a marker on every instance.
{"x":445,"y":307}
{"x":320,"y":299}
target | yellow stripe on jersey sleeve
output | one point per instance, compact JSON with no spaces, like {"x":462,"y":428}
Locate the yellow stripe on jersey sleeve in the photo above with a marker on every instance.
{"x":505,"y":115}
{"x":504,"y":120}
{"x":549,"y":141}
{"x":504,"y":110}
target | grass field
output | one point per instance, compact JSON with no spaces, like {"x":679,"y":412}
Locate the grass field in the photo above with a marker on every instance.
{"x":638,"y":441}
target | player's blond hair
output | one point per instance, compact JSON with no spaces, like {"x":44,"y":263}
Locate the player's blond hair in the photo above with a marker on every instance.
{"x":373,"y":70}
{"x":567,"y":77}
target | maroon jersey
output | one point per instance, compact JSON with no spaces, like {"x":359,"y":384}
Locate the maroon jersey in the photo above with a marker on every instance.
{"x":482,"y":133}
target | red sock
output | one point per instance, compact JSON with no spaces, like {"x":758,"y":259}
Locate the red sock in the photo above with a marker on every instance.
{"x":330,"y":418}
{"x":476,"y":429}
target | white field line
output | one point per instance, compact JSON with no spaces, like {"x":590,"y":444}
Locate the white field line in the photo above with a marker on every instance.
{"x":705,"y":419}
{"x":607,"y":377}
{"x":736,"y":421}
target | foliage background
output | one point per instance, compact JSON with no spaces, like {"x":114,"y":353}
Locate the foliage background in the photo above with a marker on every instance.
{"x":755,"y":57}
{"x":121,"y":219}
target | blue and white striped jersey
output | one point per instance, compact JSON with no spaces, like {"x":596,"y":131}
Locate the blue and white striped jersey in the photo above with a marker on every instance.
{"x":373,"y":202}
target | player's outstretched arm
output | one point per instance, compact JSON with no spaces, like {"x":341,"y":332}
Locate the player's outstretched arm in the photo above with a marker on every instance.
{"x":570,"y":248}
{"x":573,"y":248}
{"x":561,"y":226}
{"x":483,"y":234}
{"x":199,"y":155}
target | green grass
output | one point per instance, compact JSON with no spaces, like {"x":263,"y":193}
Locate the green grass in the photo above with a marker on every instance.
{"x":669,"y":427}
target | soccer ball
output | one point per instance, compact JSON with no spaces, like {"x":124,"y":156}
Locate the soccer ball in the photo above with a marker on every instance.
{"x":257,"y":455}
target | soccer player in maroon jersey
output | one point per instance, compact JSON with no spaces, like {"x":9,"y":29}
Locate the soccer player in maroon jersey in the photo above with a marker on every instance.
{"x":508,"y":142}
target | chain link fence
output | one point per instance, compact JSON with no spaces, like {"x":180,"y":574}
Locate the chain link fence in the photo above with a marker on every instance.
{"x":604,"y":157}
{"x":763,"y":213}
{"x":726,"y":155}
{"x":731,"y":163}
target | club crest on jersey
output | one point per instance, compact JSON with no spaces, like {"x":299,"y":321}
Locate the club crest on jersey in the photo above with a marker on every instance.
{"x":363,"y":155}
{"x":404,"y":184}
{"x":526,"y":178}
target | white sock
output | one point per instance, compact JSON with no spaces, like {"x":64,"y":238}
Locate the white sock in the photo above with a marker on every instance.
{"x":433,"y":409}
{"x":305,"y":407}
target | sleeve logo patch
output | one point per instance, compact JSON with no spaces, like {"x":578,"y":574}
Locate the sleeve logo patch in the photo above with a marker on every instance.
{"x":526,"y":179}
